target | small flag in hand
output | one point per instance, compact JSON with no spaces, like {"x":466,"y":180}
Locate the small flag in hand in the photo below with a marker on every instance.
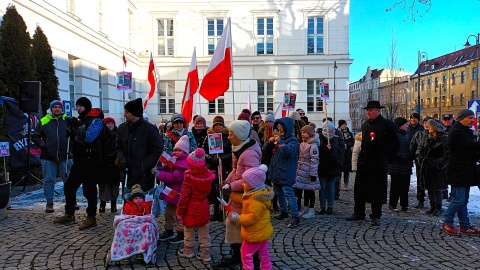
{"x":170,"y":192}
{"x":225,"y":204}
{"x":167,"y":159}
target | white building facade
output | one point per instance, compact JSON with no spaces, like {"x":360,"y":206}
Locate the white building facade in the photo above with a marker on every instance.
{"x":277,"y":48}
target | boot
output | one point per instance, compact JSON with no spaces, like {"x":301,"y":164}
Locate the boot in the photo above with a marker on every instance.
{"x":233,"y":260}
{"x":204,"y":255}
{"x":88,"y":222}
{"x":303,"y":212}
{"x":294,"y":222}
{"x":438,"y":210}
{"x":65,"y":219}
{"x":419,"y":205}
{"x":49,"y":208}
{"x":177,"y":239}
{"x":103,"y":204}
{"x":113,"y":205}
{"x":432,"y":209}
{"x":281,"y":216}
{"x":329,"y":210}
{"x":166,"y":235}
{"x":322,"y":211}
{"x":310,"y":213}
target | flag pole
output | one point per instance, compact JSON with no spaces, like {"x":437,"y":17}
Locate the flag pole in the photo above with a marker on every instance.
{"x":231,"y":60}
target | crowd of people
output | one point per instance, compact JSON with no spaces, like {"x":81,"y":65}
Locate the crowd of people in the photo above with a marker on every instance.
{"x":267,"y":164}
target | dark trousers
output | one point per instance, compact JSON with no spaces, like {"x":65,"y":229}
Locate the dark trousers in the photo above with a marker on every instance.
{"x":85,"y":174}
{"x":338,"y":183}
{"x":399,"y":186}
{"x":420,"y":188}
{"x":298,"y":193}
{"x":359,"y":209}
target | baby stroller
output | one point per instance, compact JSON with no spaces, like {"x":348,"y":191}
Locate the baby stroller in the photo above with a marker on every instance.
{"x":134,"y":235}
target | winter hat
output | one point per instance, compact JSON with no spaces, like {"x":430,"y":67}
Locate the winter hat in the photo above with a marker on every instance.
{"x":135,"y":107}
{"x":255,"y":177}
{"x":145,"y":116}
{"x":56,"y":102}
{"x":176,"y":117}
{"x":85,"y":102}
{"x":183,"y":144}
{"x":341,"y":122}
{"x":308,"y":129}
{"x":294,"y":116}
{"x":328,"y":118}
{"x":108,"y":120}
{"x":331,"y":126}
{"x":464,"y":113}
{"x":244,"y":115}
{"x":200,"y":119}
{"x":254,"y":114}
{"x":218,"y":120}
{"x":136,"y":192}
{"x":426,"y":119}
{"x":400,"y":121}
{"x":436,"y":125}
{"x":269,"y":118}
{"x":241,"y":129}
{"x":415,"y":115}
{"x":300,"y":111}
{"x":196,"y":158}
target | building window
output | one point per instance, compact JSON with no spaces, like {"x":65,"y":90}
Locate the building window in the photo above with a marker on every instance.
{"x":429,"y":83}
{"x":314,"y":101}
{"x":165,"y":36}
{"x":265,"y":96}
{"x":436,"y":82}
{"x":452,"y":100}
{"x":444,"y":79}
{"x":462,"y":99}
{"x":423,"y":85}
{"x":214,"y":31}
{"x":264,"y":36}
{"x":217,"y":106}
{"x":462,"y":78}
{"x":454,"y":77}
{"x":474,"y":73}
{"x":416,"y":86}
{"x":71,"y":78}
{"x":315,"y":35}
{"x":166,"y":96}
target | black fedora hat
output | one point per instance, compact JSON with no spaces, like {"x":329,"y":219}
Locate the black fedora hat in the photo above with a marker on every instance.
{"x":373,"y":104}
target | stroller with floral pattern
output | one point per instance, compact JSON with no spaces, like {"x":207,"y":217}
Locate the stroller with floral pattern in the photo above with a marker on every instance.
{"x":134,"y":234}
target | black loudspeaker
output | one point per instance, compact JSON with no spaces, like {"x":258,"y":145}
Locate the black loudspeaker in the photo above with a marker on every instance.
{"x":30,"y":93}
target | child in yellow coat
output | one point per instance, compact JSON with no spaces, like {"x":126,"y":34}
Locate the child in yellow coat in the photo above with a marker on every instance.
{"x":256,"y":226}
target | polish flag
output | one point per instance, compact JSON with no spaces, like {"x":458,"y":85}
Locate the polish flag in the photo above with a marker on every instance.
{"x":152,"y":79}
{"x":167,"y":159}
{"x":124,"y":60}
{"x":474,"y":109}
{"x":190,"y":89}
{"x":215,"y":82}
{"x":170,"y":192}
{"x":225,"y":204}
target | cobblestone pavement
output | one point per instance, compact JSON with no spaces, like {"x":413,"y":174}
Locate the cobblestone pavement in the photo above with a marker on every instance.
{"x":29,"y":240}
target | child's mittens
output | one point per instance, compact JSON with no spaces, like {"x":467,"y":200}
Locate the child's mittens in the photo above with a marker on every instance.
{"x":233,"y":216}
{"x":226,"y":189}
{"x":313,"y":178}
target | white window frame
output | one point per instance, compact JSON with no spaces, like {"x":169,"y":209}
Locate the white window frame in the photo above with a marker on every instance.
{"x":314,"y":96}
{"x":315,"y":35}
{"x":166,"y":97}
{"x":217,"y":33}
{"x":167,"y":40}
{"x":267,"y":95}
{"x":217,"y":106}
{"x":268,"y":36}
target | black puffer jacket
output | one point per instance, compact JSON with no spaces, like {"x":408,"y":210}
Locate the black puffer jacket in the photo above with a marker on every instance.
{"x":330,"y":162}
{"x":402,"y":162}
{"x":434,"y":162}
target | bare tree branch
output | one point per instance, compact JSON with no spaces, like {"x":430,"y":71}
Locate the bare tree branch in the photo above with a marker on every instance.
{"x":412,"y":8}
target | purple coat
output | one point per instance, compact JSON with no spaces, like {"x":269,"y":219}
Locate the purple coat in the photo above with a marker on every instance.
{"x":173,"y":178}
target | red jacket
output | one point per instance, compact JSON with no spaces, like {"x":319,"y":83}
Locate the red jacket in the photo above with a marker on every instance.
{"x":144,"y":208}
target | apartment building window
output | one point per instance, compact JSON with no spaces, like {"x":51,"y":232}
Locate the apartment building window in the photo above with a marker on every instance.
{"x":423,"y":85}
{"x":217,"y":106}
{"x":314,"y":101}
{"x":166,"y":96}
{"x":452,"y":100}
{"x":264,"y":36}
{"x":265,"y":96}
{"x":462,"y":77}
{"x":462,"y":99}
{"x":165,"y":37}
{"x":429,"y":83}
{"x":474,"y":73}
{"x":71,"y":79}
{"x":315,"y":35}
{"x":454,"y":77}
{"x":214,"y":31}
{"x":444,"y":79}
{"x":436,"y":82}
{"x":416,"y":86}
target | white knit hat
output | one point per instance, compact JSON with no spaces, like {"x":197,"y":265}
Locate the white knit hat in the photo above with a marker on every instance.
{"x":240,"y":128}
{"x":183,"y":144}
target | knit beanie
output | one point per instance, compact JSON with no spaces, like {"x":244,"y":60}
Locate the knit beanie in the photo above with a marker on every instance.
{"x":176,"y":117}
{"x":254,"y":114}
{"x":218,"y":120}
{"x":85,"y":102}
{"x":294,"y":116}
{"x":196,"y":158}
{"x":202,"y":120}
{"x":300,"y":111}
{"x":135,"y":107}
{"x":255,"y":177}
{"x":183,"y":144}
{"x":244,"y":115}
{"x":330,"y":125}
{"x":436,"y":125}
{"x":269,"y":118}
{"x":56,"y":102}
{"x":464,"y":113}
{"x":400,"y":121}
{"x":241,"y":129}
{"x":308,"y":129}
{"x":341,"y":122}
{"x":108,"y":120}
{"x":136,"y":192}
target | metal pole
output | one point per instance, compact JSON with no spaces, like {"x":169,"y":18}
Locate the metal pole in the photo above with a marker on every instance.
{"x":394,"y":94}
{"x":418,"y":86}
{"x":476,"y":56}
{"x":440,"y":100}
{"x":335,"y":88}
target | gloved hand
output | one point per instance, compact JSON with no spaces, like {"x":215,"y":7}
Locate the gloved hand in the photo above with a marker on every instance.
{"x":226,"y":189}
{"x":180,"y":219}
{"x":313,"y":178}
{"x":73,"y":122}
{"x":233,"y":216}
{"x":124,"y":166}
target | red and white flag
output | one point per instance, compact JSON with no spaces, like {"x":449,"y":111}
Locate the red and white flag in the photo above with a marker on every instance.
{"x":167,"y":159}
{"x":190,"y":89}
{"x":216,"y":80}
{"x":225,"y":204}
{"x":170,"y":192}
{"x":474,"y":109}
{"x":152,"y":79}
{"x":124,"y":60}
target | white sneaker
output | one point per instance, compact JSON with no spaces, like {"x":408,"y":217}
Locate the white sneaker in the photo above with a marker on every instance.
{"x":310,"y":213}
{"x":303,"y":212}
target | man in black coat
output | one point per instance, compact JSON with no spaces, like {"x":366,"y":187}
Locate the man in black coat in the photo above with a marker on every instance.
{"x":419,"y":138}
{"x":379,"y":146}
{"x":461,"y":172}
{"x":138,"y":146}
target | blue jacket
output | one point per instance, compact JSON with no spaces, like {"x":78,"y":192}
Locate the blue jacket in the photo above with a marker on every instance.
{"x":283,"y":166}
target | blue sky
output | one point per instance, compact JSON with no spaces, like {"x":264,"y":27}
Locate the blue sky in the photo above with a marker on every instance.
{"x":440,"y":31}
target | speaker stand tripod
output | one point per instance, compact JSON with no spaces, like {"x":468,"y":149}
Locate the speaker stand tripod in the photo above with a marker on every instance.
{"x":26,"y":178}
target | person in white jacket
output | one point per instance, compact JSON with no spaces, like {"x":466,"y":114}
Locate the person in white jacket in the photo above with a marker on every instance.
{"x":356,"y":150}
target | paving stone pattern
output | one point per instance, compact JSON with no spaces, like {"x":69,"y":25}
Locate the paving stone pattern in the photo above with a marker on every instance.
{"x":29,"y":240}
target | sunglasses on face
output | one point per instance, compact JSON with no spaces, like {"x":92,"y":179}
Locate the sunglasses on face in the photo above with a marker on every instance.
{"x":256,"y":118}
{"x":302,"y":114}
